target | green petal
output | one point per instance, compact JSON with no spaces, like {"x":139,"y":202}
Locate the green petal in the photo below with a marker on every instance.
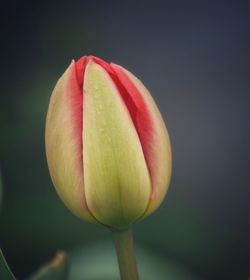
{"x":116,"y":178}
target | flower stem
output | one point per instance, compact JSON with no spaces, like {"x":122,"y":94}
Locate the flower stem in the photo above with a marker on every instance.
{"x":125,"y":254}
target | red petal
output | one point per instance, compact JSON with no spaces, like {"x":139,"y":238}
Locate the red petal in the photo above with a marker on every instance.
{"x":153,"y":135}
{"x":138,"y":110}
{"x":80,"y":66}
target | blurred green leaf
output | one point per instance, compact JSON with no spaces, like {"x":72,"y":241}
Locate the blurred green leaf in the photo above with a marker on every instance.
{"x":98,"y":262}
{"x":5,"y":272}
{"x":57,"y":269}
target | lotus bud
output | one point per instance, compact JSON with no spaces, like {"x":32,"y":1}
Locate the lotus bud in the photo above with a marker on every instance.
{"x":107,"y":147}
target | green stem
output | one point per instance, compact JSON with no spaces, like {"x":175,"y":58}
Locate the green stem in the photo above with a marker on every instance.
{"x":125,"y":254}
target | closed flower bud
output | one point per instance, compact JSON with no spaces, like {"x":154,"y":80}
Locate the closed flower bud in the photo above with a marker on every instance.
{"x":107,"y":147}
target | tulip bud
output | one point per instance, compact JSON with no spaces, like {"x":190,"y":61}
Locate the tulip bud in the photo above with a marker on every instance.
{"x":107,"y":147}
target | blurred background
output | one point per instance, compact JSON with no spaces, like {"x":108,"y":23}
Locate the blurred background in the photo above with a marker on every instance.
{"x":194,"y":56}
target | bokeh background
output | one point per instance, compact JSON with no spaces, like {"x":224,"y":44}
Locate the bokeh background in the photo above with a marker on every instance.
{"x":194,"y":56}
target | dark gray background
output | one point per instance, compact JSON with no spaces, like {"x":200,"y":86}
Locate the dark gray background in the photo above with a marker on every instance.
{"x":194,"y":56}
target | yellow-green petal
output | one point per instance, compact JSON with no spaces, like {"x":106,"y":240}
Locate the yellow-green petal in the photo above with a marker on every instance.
{"x":116,"y":178}
{"x":160,"y":148}
{"x":64,"y":143}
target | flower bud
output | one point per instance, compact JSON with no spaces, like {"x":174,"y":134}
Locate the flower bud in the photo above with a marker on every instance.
{"x":107,"y":147}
